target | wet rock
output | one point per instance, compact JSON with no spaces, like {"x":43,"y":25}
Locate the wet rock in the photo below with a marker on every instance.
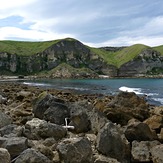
{"x":4,"y":119}
{"x":4,"y":156}
{"x":104,"y":159}
{"x":37,"y":129}
{"x":14,"y":145}
{"x":157,"y":153}
{"x":112,"y":143}
{"x":75,"y":150}
{"x":32,"y":156}
{"x":125,"y":106}
{"x":141,"y":151}
{"x":138,"y":131}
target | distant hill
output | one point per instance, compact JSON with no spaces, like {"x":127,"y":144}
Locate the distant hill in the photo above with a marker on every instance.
{"x":20,"y":57}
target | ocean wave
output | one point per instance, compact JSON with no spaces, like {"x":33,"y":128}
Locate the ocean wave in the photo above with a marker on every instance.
{"x":35,"y":84}
{"x":128,"y":89}
{"x":160,"y":100}
{"x":76,"y":88}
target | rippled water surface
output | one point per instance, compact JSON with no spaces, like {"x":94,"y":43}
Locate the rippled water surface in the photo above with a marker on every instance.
{"x":152,"y":88}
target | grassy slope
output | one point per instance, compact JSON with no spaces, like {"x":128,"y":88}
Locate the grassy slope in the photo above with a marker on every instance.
{"x":122,"y":56}
{"x":115,"y":58}
{"x":159,"y":48}
{"x":26,"y":48}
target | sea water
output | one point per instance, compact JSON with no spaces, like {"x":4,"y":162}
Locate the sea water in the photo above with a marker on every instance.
{"x":151,"y":88}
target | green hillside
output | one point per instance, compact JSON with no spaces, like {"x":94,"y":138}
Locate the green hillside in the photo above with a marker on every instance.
{"x":114,"y":58}
{"x":122,"y":56}
{"x":159,"y":48}
{"x":26,"y":48}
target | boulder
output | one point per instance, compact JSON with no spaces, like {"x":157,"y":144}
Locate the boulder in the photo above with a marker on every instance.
{"x":32,"y":156}
{"x":85,"y":117}
{"x":157,"y":153}
{"x":57,"y":113}
{"x":14,"y":145}
{"x":75,"y":150}
{"x":155,"y":122}
{"x":43,"y":102}
{"x":158,"y":110}
{"x":4,"y":119}
{"x":125,"y":106}
{"x":104,"y":159}
{"x":138,"y":131}
{"x":141,"y":151}
{"x":51,"y":109}
{"x":11,"y":130}
{"x":4,"y":156}
{"x":112,"y":143}
{"x":37,"y":129}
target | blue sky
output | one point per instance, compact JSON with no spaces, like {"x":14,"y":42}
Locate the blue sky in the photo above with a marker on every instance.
{"x":93,"y":22}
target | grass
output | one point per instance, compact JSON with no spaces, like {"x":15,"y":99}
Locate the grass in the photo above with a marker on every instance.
{"x":70,"y":69}
{"x":120,"y":57}
{"x":117,"y":58}
{"x":25,"y":48}
{"x":159,"y":48}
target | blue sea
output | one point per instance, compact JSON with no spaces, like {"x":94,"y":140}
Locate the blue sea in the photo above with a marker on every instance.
{"x":151,"y":88}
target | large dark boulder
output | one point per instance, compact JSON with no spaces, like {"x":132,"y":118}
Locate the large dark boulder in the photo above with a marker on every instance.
{"x":75,"y":150}
{"x":139,"y":131}
{"x":51,"y":109}
{"x":57,"y":113}
{"x":112,"y":143}
{"x":84,"y":117}
{"x":14,"y":145}
{"x":32,"y":156}
{"x":125,"y":106}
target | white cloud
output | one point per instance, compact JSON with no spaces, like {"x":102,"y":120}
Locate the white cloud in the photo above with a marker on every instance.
{"x":127,"y":41}
{"x":13,"y":32}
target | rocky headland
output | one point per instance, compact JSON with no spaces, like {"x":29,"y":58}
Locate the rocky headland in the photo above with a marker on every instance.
{"x":69,"y":58}
{"x":52,"y":126}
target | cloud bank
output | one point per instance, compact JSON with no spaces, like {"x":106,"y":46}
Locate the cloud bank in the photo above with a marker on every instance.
{"x":96,"y":23}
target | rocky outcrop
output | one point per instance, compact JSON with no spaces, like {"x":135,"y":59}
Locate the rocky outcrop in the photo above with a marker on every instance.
{"x":87,"y":134}
{"x":112,"y":143}
{"x":71,"y":52}
{"x":78,"y":147}
{"x":148,"y":62}
{"x":125,"y":106}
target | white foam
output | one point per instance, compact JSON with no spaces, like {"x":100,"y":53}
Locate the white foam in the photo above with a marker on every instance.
{"x":76,"y":88}
{"x":159,"y":100}
{"x":127,"y":89}
{"x":34,"y":84}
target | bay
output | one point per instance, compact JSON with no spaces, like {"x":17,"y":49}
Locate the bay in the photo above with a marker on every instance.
{"x":152,"y":89}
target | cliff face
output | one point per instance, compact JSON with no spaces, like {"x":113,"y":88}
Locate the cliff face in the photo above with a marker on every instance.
{"x":147,"y":62}
{"x":72,"y":52}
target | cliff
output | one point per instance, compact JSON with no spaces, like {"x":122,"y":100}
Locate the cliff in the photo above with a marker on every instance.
{"x":70,"y":58}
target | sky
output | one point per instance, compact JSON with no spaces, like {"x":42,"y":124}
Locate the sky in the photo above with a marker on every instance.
{"x":96,"y":23}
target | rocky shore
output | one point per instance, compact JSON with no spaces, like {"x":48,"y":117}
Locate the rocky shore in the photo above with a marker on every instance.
{"x":52,"y":126}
